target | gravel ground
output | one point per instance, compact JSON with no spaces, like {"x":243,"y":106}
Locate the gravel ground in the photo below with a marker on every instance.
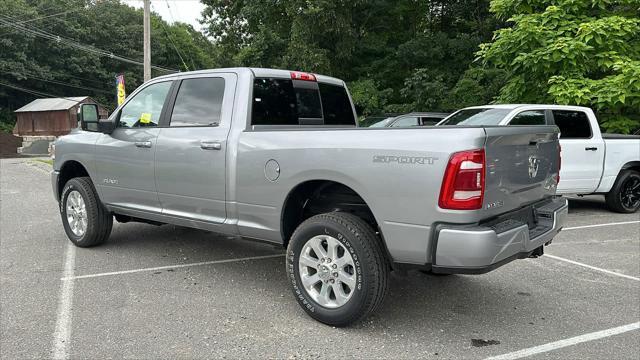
{"x":244,"y":309}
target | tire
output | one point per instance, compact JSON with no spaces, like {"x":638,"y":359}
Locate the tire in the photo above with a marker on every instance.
{"x":624,"y":196}
{"x":358,"y":288}
{"x":96,"y":219}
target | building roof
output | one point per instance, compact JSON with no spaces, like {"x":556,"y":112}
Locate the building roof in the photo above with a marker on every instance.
{"x":52,"y":104}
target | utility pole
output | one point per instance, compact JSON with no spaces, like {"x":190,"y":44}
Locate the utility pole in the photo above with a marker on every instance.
{"x":147,"y":40}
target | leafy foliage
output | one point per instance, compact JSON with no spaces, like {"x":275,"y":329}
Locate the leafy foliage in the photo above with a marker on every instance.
{"x":571,"y":52}
{"x":402,"y":55}
{"x":397,"y":56}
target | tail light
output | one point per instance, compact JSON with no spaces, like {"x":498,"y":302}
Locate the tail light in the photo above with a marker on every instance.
{"x":463,"y":182}
{"x":296,"y":75}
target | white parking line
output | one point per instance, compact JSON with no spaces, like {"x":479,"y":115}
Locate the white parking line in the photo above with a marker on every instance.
{"x":601,"y":225}
{"x":62,"y":334}
{"x":566,"y":342}
{"x":592,"y":267}
{"x":72,"y":277}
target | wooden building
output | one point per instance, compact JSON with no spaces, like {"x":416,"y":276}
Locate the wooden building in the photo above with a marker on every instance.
{"x":51,"y":116}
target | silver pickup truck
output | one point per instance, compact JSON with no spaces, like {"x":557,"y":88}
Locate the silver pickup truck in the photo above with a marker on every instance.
{"x":276,"y":156}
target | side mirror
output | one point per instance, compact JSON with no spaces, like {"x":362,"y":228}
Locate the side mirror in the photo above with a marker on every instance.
{"x":90,"y":120}
{"x":88,"y":117}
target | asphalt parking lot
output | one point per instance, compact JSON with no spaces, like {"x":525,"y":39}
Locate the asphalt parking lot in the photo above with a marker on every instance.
{"x":171,"y":292}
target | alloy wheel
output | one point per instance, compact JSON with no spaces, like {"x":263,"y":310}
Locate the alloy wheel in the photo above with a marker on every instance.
{"x":327,"y":271}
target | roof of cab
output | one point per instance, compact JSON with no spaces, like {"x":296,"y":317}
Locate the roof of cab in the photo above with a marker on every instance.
{"x":516,"y":106}
{"x":257,"y":72}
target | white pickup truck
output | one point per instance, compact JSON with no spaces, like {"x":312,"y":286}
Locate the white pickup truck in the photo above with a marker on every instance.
{"x":592,"y":162}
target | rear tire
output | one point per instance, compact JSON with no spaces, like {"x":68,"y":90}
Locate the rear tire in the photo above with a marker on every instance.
{"x":86,"y":221}
{"x":343,"y":274}
{"x":624,"y":196}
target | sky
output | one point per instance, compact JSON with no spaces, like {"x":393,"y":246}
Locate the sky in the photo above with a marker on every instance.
{"x":187,"y":11}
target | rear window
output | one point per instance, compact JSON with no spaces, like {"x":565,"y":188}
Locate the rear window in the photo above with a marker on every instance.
{"x":572,"y":124}
{"x":298,"y":102}
{"x":336,"y":105}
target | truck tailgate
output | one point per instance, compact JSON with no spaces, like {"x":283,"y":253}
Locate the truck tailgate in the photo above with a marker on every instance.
{"x":522,"y":166}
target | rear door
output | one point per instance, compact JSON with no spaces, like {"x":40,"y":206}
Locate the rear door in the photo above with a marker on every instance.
{"x":522,"y":165}
{"x":582,"y":152}
{"x":190,"y":162}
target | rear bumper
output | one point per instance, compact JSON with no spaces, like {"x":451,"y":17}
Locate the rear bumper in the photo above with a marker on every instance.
{"x":478,"y":249}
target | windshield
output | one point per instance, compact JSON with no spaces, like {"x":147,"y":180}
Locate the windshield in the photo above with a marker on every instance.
{"x":382,"y":123}
{"x":486,"y":116}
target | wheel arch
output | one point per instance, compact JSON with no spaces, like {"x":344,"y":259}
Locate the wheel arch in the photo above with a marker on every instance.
{"x":70,"y":169}
{"x":631,"y":165}
{"x":312,"y":197}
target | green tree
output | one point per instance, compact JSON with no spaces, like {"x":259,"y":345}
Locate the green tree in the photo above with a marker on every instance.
{"x":396,"y":55}
{"x":571,"y":52}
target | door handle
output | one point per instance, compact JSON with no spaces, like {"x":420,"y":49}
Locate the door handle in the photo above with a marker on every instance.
{"x":591,"y":148}
{"x":143,"y":144}
{"x":210,"y":145}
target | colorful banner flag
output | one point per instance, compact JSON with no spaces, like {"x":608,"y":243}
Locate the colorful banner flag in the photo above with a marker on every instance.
{"x":120,"y":92}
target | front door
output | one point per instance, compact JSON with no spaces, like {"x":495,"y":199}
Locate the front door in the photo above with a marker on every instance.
{"x":582,"y":152}
{"x":125,"y":158}
{"x":192,"y":146}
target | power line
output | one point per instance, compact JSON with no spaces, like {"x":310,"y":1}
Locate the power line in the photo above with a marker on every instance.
{"x":171,"y":41}
{"x":74,"y":44}
{"x":32,"y":77}
{"x":42,"y":93}
{"x":173,"y":21}
{"x":63,"y":75}
{"x":35,"y":19}
{"x":44,"y":17}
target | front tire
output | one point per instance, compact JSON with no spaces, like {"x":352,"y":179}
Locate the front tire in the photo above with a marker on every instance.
{"x":86,"y":221}
{"x":337,"y":268}
{"x":624,"y":196}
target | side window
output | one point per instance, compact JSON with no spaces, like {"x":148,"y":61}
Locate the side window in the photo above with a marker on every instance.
{"x":146,"y":106}
{"x":430,"y":121}
{"x":572,"y":124}
{"x":198,"y":103}
{"x":336,"y":105}
{"x":406,"y":121}
{"x":530,"y":117}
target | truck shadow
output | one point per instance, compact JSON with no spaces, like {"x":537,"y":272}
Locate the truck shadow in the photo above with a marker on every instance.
{"x":424,"y":303}
{"x":587,"y":204}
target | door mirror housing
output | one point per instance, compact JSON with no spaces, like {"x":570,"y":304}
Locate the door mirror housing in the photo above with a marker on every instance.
{"x":88,"y":114}
{"x":89,"y":118}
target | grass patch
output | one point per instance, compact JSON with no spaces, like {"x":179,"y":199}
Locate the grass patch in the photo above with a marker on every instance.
{"x":46,"y":161}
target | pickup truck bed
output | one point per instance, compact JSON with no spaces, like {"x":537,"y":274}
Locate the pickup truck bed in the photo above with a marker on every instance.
{"x":275,"y":156}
